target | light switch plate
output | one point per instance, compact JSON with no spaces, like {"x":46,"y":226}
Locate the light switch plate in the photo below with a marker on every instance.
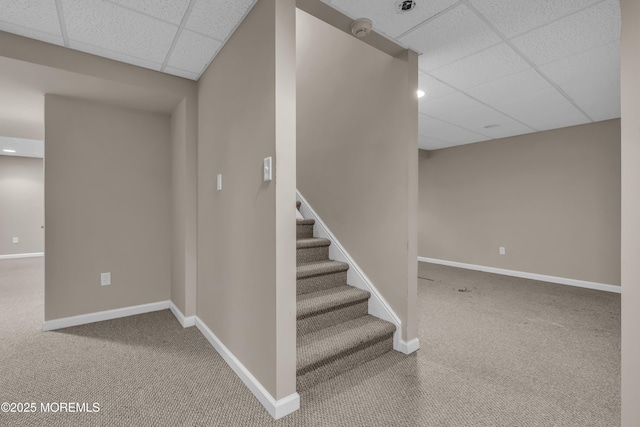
{"x":16,"y":240}
{"x":219,"y":182}
{"x":267,"y":169}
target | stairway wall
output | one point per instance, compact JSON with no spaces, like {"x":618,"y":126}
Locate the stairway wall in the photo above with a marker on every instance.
{"x":357,"y":154}
{"x":246,"y":232}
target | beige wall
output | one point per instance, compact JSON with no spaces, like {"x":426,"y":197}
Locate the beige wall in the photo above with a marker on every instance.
{"x":21,"y":205}
{"x":357,"y":153}
{"x":37,"y":68}
{"x":184,"y":206}
{"x":246,"y":232}
{"x":552,"y":199}
{"x":108,"y":206}
{"x":630,"y":87}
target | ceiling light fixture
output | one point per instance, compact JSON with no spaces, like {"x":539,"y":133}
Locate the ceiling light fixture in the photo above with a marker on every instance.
{"x":421,"y":93}
{"x":9,"y":151}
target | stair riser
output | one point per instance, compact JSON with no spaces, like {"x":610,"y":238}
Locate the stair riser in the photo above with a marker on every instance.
{"x":343,"y":364}
{"x":330,"y":318}
{"x":305,"y":255}
{"x":320,"y":283}
{"x":304,"y":231}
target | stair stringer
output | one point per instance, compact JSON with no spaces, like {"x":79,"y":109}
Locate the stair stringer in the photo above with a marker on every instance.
{"x":378,"y":306}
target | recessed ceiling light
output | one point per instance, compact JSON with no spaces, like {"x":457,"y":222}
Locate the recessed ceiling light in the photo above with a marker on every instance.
{"x":491,"y":126}
{"x":421,"y":93}
{"x":9,"y":151}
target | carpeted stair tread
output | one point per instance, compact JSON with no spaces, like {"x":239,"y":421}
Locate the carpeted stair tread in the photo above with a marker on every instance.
{"x":326,"y":345}
{"x":312,"y":242}
{"x":320,"y":268}
{"x":329,"y":299}
{"x":305,"y":221}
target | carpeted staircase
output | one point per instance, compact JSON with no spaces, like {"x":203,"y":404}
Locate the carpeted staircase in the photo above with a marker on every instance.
{"x":334,"y":331}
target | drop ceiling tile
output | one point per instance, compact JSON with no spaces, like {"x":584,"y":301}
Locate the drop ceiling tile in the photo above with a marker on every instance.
{"x":116,"y":56}
{"x":387,"y":16}
{"x":513,"y":86}
{"x":182,"y":73}
{"x":167,"y":10}
{"x":449,"y":105}
{"x":451,"y":36}
{"x":513,"y":17}
{"x":217,"y":18}
{"x":490,"y":64}
{"x":425,"y":143}
{"x":38,"y":15}
{"x":32,"y":34}
{"x":483,"y":120}
{"x":542,"y":110}
{"x":592,"y":27}
{"x":193,"y":52}
{"x":107,"y":26}
{"x":433,"y":88}
{"x":591,"y":79}
{"x":431,"y":127}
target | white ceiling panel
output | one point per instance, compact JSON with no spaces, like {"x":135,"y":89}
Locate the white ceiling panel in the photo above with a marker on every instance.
{"x":513,"y":17}
{"x":426,"y":143}
{"x":116,"y":56}
{"x":433,"y":88}
{"x":31,"y":33}
{"x":513,"y":86}
{"x":449,"y":37}
{"x":591,"y":79}
{"x":576,"y":33}
{"x":449,"y":105}
{"x":431,"y":127}
{"x":40,"y":15}
{"x":543,"y":110}
{"x":182,"y":73}
{"x":105,"y":25}
{"x":485,"y":66}
{"x":171,"y":11}
{"x":192,"y":51}
{"x":486,"y":121}
{"x":387,"y":16}
{"x":217,"y":18}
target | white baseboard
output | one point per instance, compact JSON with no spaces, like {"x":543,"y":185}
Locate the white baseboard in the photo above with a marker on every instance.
{"x":83,"y":319}
{"x":378,"y":306}
{"x":408,"y":347}
{"x":186,"y":322}
{"x":525,"y":275}
{"x":277,"y":409}
{"x":13,"y":256}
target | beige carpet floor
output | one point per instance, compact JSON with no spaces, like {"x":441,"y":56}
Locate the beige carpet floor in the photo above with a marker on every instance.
{"x":495,"y":351}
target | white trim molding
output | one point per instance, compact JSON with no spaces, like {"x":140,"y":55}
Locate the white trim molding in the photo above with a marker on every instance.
{"x":409,"y":347}
{"x":525,"y":275}
{"x":276,"y":408}
{"x":186,"y":322}
{"x":13,"y":256}
{"x":378,"y":306}
{"x":83,"y":319}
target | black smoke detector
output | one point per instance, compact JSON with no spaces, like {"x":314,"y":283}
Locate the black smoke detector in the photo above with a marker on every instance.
{"x":407,"y":5}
